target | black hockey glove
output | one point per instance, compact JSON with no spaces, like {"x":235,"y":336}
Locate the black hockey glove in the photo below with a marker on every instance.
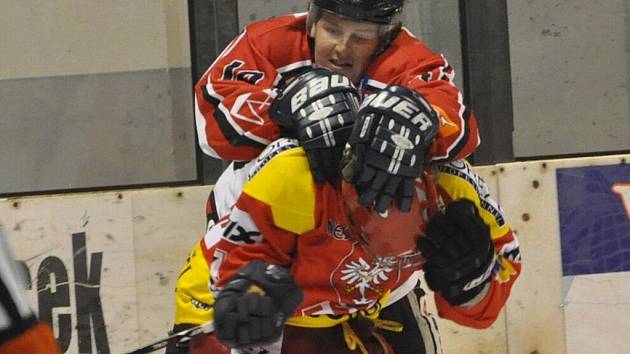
{"x":319,"y":109}
{"x":394,"y":130}
{"x":253,"y":306}
{"x":459,"y":252}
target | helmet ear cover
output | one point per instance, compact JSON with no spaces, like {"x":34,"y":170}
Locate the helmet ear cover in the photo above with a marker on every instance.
{"x":394,"y":233}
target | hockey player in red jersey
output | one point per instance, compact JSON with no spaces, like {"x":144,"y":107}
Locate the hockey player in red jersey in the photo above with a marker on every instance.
{"x":239,"y":99}
{"x":328,"y":267}
{"x":363,"y":40}
{"x":323,"y":242}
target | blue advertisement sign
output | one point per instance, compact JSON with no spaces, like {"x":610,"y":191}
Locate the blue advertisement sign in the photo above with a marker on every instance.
{"x":594,"y":205}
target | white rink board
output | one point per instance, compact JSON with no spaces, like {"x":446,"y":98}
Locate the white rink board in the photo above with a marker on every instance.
{"x":41,"y":228}
{"x":167,"y":223}
{"x":537,"y":319}
{"x":597,"y":312}
{"x":145,"y":235}
{"x":534,"y":314}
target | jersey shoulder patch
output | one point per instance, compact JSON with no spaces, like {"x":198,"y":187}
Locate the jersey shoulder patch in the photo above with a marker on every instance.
{"x":284,"y":182}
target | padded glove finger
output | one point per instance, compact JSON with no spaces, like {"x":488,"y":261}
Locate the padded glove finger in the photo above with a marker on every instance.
{"x":267,"y":328}
{"x":255,"y":329}
{"x":227,"y":326}
{"x":426,"y":246}
{"x":407,"y":188}
{"x":364,"y":177}
{"x":392,"y":185}
{"x":371,"y":191}
{"x":331,"y":158}
{"x":383,"y":202}
{"x":243,"y":335}
{"x":387,"y":194}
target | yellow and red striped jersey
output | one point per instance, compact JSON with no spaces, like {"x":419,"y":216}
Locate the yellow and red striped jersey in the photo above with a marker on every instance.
{"x":282,"y":217}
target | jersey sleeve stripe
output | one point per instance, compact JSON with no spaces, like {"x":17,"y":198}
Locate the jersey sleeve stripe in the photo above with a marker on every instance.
{"x":374,"y":84}
{"x":201,"y":133}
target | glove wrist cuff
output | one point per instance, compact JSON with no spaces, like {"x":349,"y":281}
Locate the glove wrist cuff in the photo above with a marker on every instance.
{"x":470,"y":297}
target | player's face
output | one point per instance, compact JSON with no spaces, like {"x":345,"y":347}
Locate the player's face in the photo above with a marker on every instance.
{"x":344,"y":46}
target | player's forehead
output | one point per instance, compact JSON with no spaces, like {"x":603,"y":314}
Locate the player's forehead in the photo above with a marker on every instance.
{"x":347,"y":23}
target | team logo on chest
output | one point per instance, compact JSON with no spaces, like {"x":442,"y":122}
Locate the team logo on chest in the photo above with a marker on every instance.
{"x":360,"y":280}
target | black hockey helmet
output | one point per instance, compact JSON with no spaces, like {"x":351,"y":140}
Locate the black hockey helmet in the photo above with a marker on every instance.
{"x":384,"y":12}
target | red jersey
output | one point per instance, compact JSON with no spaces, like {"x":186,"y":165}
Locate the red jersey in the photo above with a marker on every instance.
{"x":282,"y":217}
{"x":232,"y":98}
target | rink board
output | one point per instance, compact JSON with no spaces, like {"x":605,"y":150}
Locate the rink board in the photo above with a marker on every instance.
{"x":120,"y":253}
{"x":545,"y":313}
{"x":594,"y":207}
{"x":106,"y":262}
